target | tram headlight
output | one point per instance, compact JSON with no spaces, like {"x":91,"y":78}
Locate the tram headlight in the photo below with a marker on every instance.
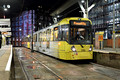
{"x":73,"y":49}
{"x":90,"y":49}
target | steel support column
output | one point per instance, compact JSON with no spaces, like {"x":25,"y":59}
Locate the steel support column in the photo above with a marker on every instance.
{"x":114,"y":25}
{"x":86,"y":9}
{"x":32,"y":34}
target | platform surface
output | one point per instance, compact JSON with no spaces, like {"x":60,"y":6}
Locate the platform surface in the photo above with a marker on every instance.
{"x":108,"y":50}
{"x":5,"y":62}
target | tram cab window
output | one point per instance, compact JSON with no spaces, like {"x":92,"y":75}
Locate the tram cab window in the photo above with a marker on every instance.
{"x":80,"y":35}
{"x":64,"y":32}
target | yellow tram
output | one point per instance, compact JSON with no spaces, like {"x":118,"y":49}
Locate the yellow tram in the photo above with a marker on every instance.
{"x":69,"y":39}
{"x":26,"y":41}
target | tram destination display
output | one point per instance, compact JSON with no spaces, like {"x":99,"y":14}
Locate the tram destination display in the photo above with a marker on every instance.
{"x":79,"y":23}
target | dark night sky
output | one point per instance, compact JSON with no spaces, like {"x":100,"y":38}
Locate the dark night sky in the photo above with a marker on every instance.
{"x":17,"y":6}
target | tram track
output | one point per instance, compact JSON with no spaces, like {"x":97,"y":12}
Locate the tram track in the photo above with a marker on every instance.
{"x":59,"y":77}
{"x":23,"y":69}
{"x":40,"y":63}
{"x":28,"y":76}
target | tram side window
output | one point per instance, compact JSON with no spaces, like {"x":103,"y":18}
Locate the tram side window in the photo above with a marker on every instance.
{"x":89,"y":36}
{"x":56,"y":34}
{"x":45,"y":36}
{"x":51,"y":38}
{"x":64,"y":32}
{"x":42,"y":36}
{"x":39,"y":37}
{"x":35,"y":38}
{"x":48,"y":35}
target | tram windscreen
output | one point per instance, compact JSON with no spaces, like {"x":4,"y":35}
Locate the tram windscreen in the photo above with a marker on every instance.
{"x":80,"y":34}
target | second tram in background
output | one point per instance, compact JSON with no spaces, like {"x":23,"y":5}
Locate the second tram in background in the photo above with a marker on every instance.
{"x":69,"y":39}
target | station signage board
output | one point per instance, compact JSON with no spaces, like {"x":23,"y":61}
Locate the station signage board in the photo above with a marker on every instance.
{"x":100,"y":38}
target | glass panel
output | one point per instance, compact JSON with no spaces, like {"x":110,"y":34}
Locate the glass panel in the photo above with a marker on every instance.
{"x":55,"y":35}
{"x":40,"y":36}
{"x":48,"y":34}
{"x":35,"y":38}
{"x":80,"y":35}
{"x":51,"y":34}
{"x":44,"y":36}
{"x":64,"y":32}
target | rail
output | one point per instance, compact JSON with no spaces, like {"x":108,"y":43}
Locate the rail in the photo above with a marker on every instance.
{"x":46,"y":67}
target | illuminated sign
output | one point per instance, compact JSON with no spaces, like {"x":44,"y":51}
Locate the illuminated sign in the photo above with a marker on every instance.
{"x":80,"y":23}
{"x":100,"y":38}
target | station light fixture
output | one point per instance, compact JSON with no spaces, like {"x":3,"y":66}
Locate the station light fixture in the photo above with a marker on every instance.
{"x":39,"y":6}
{"x":5,"y":9}
{"x":3,"y":6}
{"x":8,"y":6}
{"x":39,"y":23}
{"x":105,"y":0}
{"x":82,"y":1}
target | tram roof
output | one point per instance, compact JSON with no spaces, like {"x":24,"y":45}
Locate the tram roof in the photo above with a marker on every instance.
{"x":67,"y":20}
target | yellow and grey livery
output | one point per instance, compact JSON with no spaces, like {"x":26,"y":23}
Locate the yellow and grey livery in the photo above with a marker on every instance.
{"x":69,"y":39}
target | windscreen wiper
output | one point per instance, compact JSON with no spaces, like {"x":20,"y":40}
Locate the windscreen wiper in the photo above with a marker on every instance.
{"x":81,"y":45}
